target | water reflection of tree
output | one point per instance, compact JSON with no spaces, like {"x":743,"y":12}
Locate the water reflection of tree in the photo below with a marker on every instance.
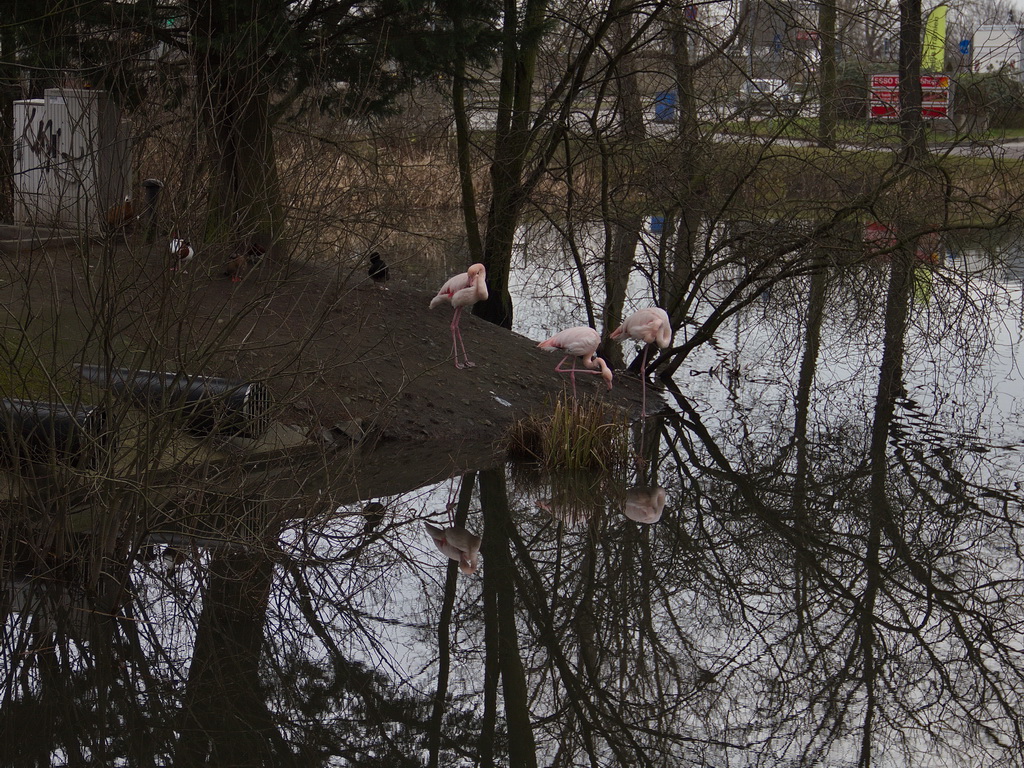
{"x":765,"y":616}
{"x":606,"y":680}
{"x":871,"y":599}
{"x":339,"y":586}
{"x":224,"y":713}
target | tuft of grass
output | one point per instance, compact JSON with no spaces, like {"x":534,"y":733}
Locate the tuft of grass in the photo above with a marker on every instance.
{"x":586,"y":435}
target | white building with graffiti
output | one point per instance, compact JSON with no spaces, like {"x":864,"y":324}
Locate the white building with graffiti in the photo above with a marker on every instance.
{"x":72,"y":159}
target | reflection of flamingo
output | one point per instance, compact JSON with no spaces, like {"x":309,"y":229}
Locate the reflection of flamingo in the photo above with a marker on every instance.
{"x":644,"y":505}
{"x":458,"y":544}
{"x":579,"y":343}
{"x":460,"y":291}
{"x":647,"y":326}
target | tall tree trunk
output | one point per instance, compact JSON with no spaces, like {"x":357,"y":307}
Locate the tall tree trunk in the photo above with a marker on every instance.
{"x":684,"y":221}
{"x":911,"y":123}
{"x":512,"y":142}
{"x":619,"y":254}
{"x":692,"y":187}
{"x":464,"y":154}
{"x":234,"y":91}
{"x":524,"y":31}
{"x":623,"y":224}
{"x":8,"y":93}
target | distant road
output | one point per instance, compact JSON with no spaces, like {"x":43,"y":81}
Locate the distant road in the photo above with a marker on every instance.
{"x":582,"y":120}
{"x":1008,"y":150}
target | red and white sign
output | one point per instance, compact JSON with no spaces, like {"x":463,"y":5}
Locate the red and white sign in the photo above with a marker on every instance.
{"x":884,"y":103}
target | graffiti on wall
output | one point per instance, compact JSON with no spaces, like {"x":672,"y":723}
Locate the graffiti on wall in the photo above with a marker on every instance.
{"x":41,"y":139}
{"x":44,"y":141}
{"x":70,"y":158}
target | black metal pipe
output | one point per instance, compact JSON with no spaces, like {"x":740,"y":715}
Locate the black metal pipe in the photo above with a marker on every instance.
{"x":37,"y":432}
{"x":205,"y":404}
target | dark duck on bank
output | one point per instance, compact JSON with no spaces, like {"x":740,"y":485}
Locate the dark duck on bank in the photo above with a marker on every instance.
{"x":378,"y":271}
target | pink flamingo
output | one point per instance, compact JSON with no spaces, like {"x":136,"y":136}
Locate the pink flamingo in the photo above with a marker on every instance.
{"x":644,"y":505}
{"x":579,"y":343}
{"x":460,"y":291}
{"x":458,"y":544}
{"x":647,"y":326}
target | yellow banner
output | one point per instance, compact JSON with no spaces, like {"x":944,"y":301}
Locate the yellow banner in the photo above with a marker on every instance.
{"x":933,"y":57}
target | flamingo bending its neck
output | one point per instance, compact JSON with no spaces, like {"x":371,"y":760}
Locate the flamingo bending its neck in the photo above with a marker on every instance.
{"x":651,"y":325}
{"x":457,"y":544}
{"x":579,"y":343}
{"x":462,"y":290}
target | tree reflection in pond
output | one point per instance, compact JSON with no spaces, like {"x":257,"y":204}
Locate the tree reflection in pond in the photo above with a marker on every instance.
{"x":849,"y":597}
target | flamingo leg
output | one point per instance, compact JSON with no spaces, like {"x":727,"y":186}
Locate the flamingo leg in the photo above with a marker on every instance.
{"x":467,"y":363}
{"x":455,"y":334}
{"x":643,"y":384}
{"x":570,"y":371}
{"x":573,"y":371}
{"x":458,"y":342}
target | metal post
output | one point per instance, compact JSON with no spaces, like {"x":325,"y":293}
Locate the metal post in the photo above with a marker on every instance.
{"x":152,"y":188}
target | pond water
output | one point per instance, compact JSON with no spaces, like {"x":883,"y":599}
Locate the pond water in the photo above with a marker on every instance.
{"x":751,"y":589}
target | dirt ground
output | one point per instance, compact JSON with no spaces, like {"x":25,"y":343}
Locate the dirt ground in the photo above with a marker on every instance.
{"x":346,"y":362}
{"x":384,"y":359}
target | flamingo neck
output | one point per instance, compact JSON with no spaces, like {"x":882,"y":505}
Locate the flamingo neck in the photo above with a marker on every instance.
{"x":598,"y":365}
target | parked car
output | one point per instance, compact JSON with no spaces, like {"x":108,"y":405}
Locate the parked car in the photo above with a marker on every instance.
{"x":767,"y":95}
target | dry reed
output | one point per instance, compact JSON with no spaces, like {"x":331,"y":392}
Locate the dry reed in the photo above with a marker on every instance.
{"x":588,"y":435}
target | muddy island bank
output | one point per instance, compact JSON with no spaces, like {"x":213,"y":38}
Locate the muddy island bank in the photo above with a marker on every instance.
{"x":366,"y":372}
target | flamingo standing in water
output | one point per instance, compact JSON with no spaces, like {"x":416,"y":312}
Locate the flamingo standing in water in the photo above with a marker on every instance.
{"x":463,"y":290}
{"x":458,"y":544}
{"x":646,"y":326}
{"x":579,"y":343}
